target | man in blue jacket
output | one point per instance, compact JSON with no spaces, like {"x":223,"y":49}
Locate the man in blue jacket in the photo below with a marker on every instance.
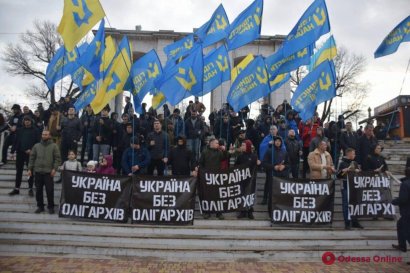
{"x":135,"y":159}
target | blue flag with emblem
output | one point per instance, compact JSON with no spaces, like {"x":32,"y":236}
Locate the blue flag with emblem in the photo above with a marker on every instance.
{"x":278,"y":81}
{"x":183,"y":79}
{"x":86,"y":96}
{"x":390,"y":44}
{"x":251,"y":84}
{"x":313,"y":24}
{"x":277,"y":63}
{"x":91,"y":59}
{"x":246,"y":27}
{"x":317,"y":87}
{"x":216,"y":70}
{"x":215,"y":29}
{"x":63,"y":64}
{"x":144,"y":72}
{"x":180,"y":48}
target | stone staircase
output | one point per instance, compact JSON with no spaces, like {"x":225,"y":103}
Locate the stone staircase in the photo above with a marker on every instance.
{"x":396,"y":153}
{"x":24,"y":233}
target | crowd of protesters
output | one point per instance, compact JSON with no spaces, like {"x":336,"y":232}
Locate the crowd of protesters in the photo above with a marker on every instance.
{"x":178,"y":143}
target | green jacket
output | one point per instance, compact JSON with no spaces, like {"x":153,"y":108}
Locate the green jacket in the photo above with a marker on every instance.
{"x":44,"y":157}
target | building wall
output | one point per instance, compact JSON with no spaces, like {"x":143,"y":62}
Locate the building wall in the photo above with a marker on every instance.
{"x":144,"y":41}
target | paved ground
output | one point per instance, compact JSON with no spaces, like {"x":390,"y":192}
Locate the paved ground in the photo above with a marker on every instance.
{"x":29,"y":264}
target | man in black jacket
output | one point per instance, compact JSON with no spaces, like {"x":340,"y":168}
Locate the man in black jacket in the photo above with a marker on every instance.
{"x":294,"y":149}
{"x":87,"y":123}
{"x":193,"y":131}
{"x":25,"y":139}
{"x":71,"y":131}
{"x":348,"y":138}
{"x":15,"y":121}
{"x":180,"y":158}
{"x":102,"y":133}
{"x":403,"y":201}
{"x":364,"y":146}
{"x":158,"y":146}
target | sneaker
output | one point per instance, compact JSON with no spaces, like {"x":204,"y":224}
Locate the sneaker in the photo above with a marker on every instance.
{"x":14,"y":192}
{"x":220,"y":216}
{"x":51,"y":211}
{"x":30,"y":192}
{"x":39,"y":210}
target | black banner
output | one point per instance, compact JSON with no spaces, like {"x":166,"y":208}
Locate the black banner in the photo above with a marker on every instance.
{"x":95,"y":196}
{"x":226,"y":191}
{"x":163,"y":200}
{"x":369,"y":195}
{"x":302,"y":201}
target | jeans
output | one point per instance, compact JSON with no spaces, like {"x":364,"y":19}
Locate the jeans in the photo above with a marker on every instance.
{"x":103,"y":148}
{"x":194,"y":146}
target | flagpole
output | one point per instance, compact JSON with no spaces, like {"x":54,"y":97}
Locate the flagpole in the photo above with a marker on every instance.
{"x":404,"y":78}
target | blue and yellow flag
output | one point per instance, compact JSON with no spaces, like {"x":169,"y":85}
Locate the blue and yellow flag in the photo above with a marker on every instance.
{"x":180,"y":48}
{"x":183,"y":79}
{"x":277,"y":63}
{"x":317,"y":87}
{"x":390,"y":44}
{"x":63,"y":64}
{"x":215,"y":29}
{"x":313,"y":24}
{"x":327,"y":51}
{"x":216,"y":70}
{"x":246,"y":27}
{"x":91,"y":59}
{"x":251,"y":84}
{"x":278,"y":81}
{"x":144,"y":72}
{"x":117,"y":76}
{"x":88,"y":94}
{"x":241,"y":66}
{"x":158,"y":100}
{"x":79,"y":16}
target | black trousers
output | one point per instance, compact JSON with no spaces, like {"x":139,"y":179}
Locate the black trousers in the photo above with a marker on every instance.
{"x":403,"y":231}
{"x":7,"y":143}
{"x":305,"y":161}
{"x":21,"y":159}
{"x":158,"y":164}
{"x":66,"y":145}
{"x":41,"y":180}
{"x":294,"y":169}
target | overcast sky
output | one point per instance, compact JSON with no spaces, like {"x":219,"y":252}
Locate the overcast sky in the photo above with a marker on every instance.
{"x":359,"y":25}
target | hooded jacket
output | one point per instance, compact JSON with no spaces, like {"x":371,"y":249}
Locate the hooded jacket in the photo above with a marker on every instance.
{"x":107,"y":169}
{"x":45,"y":156}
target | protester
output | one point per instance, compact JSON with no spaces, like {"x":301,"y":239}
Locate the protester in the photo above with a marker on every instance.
{"x":247,"y":157}
{"x":135,"y":159}
{"x":158,"y":146}
{"x":294,"y":149}
{"x":276,"y":163}
{"x":14,"y":122}
{"x":403,"y":201}
{"x":71,"y":164}
{"x":71,"y":132}
{"x":348,"y":165}
{"x":211,"y":159}
{"x":44,"y":161}
{"x":91,"y":166}
{"x":102,"y":133}
{"x":375,"y":161}
{"x":181,"y":159}
{"x":106,"y":165}
{"x":364,"y":145}
{"x":320,"y":162}
{"x":26,"y":137}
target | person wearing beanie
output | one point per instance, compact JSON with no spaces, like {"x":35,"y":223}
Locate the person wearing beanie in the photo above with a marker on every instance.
{"x":91,"y":166}
{"x":247,"y":156}
{"x":135,"y":159}
{"x":403,"y":201}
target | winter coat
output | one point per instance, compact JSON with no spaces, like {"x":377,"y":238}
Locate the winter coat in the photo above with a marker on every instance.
{"x":315,"y":164}
{"x":71,"y":129}
{"x":403,"y":201}
{"x":107,"y":169}
{"x":44,"y":157}
{"x":181,"y":161}
{"x":105,"y":130}
{"x":132,"y":157}
{"x":25,"y":139}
